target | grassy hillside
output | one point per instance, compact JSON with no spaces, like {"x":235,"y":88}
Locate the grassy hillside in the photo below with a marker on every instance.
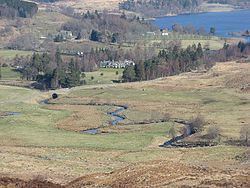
{"x":45,"y":139}
{"x":91,"y":4}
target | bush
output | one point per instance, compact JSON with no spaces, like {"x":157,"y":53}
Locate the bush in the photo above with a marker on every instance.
{"x":4,"y":65}
{"x":172,"y":132}
{"x":197,"y":124}
{"x":96,"y":36}
{"x":213,"y":132}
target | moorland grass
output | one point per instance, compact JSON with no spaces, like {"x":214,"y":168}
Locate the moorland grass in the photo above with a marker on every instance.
{"x":11,"y":54}
{"x":31,"y":141}
{"x":10,"y":74}
{"x":103,"y":76}
{"x":35,"y":126}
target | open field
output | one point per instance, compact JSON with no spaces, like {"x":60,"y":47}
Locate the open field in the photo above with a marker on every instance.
{"x":216,"y":7}
{"x":212,"y":44}
{"x":11,"y":54}
{"x":103,"y":76}
{"x":45,"y":140}
{"x":160,"y":42}
{"x":91,"y":5}
{"x":9,"y":74}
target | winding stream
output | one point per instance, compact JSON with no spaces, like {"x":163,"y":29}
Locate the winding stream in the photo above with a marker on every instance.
{"x":117,"y":118}
{"x":115,"y":115}
{"x":5,"y":114}
{"x":180,"y":137}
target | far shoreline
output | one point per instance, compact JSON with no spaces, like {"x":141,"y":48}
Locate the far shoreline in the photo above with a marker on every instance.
{"x":193,"y":13}
{"x":223,"y":36}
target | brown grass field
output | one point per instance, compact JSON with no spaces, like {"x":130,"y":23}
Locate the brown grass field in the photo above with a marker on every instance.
{"x":44,"y":144}
{"x":85,"y":5}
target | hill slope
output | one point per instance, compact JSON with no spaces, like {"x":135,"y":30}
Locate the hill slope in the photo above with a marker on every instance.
{"x":46,"y":140}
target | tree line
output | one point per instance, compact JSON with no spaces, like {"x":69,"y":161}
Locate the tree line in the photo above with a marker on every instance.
{"x":52,"y":71}
{"x":190,"y":29}
{"x":17,"y":8}
{"x":170,"y":61}
{"x":160,"y":7}
{"x":44,"y":67}
{"x":175,"y":60}
{"x":152,"y":8}
{"x":240,"y":3}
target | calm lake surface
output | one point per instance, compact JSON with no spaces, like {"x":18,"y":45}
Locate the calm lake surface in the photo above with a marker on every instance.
{"x":224,"y":22}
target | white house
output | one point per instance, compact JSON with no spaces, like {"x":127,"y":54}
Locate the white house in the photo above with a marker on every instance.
{"x":116,"y":64}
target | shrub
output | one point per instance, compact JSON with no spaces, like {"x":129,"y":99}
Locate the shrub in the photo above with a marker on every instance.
{"x":196,"y":124}
{"x":245,"y":134}
{"x":172,"y":132}
{"x":213,"y":132}
{"x":4,"y":65}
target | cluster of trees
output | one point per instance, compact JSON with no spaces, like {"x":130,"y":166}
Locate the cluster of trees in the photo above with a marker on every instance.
{"x":49,"y":70}
{"x":87,"y":61}
{"x":59,"y":38}
{"x":175,"y":60}
{"x":105,"y":27}
{"x":25,"y":42}
{"x":170,"y":61}
{"x":190,"y":29}
{"x":160,"y":7}
{"x":90,"y":60}
{"x":17,"y":8}
{"x":228,"y":53}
